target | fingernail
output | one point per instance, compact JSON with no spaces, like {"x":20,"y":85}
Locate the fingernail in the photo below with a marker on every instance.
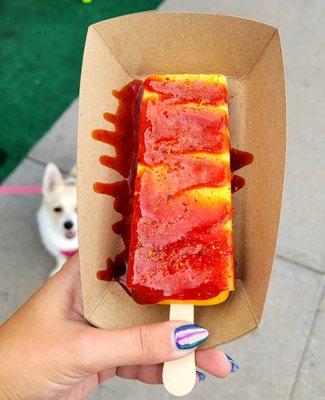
{"x":190,"y":336}
{"x":234,"y":364}
{"x":201,"y":376}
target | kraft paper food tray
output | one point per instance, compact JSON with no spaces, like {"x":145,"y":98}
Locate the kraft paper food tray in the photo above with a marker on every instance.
{"x":249,"y":54}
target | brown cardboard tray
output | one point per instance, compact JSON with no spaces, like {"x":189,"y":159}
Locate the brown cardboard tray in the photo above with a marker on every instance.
{"x":249,"y":54}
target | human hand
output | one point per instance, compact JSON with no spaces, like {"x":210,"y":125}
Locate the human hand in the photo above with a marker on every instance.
{"x":49,"y":351}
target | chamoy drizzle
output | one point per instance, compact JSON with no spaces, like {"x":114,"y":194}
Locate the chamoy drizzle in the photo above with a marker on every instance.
{"x":125,"y":141}
{"x":239,"y":159}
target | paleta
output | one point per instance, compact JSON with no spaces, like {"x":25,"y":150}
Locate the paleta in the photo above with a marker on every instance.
{"x":181,"y":245}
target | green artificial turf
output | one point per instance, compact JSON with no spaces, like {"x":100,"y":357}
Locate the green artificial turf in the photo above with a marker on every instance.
{"x":41,"y":44}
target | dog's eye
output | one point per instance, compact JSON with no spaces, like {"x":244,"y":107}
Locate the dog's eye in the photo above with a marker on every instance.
{"x":57,"y":209}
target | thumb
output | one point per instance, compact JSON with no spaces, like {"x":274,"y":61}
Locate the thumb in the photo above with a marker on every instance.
{"x":148,"y":344}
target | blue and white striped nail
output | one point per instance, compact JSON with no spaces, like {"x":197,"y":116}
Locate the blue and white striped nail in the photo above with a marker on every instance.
{"x":190,"y":336}
{"x":234,"y":364}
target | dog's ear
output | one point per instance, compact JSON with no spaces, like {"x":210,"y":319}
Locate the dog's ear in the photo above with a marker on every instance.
{"x":51,"y":179}
{"x":71,"y":178}
{"x":73,"y":172}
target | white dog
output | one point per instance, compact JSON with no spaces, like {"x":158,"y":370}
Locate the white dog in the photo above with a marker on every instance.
{"x":57,"y":217}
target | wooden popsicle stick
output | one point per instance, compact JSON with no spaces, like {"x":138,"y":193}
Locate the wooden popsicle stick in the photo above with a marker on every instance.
{"x":179,"y":376}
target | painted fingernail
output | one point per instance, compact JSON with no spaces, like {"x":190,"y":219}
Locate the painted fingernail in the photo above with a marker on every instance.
{"x":190,"y":336}
{"x":201,"y":376}
{"x":234,"y":364}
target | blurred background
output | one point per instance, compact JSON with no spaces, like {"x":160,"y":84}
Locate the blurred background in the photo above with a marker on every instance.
{"x":41,"y":47}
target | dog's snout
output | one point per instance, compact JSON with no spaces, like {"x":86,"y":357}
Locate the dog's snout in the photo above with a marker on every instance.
{"x":68,"y":224}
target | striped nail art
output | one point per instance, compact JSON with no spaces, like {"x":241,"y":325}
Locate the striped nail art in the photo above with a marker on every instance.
{"x":234,"y":364}
{"x":201,"y":376}
{"x":190,"y":336}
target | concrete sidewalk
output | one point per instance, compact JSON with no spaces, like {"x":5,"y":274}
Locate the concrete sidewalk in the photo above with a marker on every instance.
{"x":285,"y":358}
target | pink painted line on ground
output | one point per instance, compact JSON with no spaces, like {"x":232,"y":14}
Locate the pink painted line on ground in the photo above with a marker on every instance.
{"x":20,"y":190}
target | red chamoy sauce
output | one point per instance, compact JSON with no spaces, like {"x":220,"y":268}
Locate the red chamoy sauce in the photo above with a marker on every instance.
{"x":125,"y":142}
{"x":130,"y":150}
{"x":239,"y":159}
